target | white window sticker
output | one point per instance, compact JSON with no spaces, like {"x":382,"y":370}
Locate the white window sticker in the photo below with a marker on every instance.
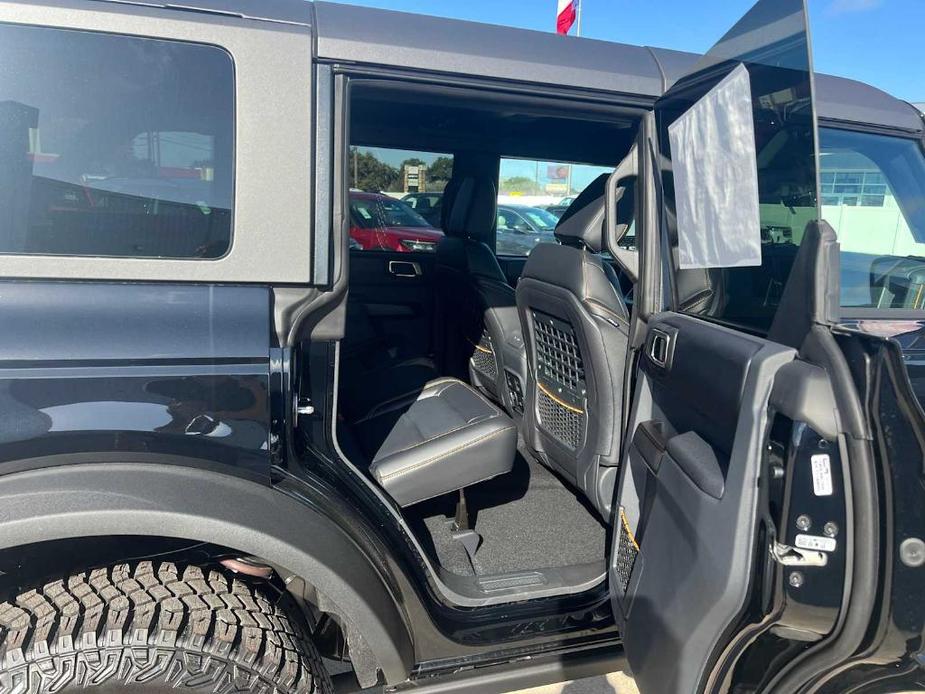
{"x":822,"y":475}
{"x":716,"y":178}
{"x":816,"y":543}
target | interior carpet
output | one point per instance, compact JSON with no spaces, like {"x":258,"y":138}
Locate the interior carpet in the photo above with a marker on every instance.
{"x":528,"y":519}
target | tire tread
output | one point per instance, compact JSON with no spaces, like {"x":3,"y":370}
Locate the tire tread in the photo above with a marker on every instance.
{"x":150,"y":622}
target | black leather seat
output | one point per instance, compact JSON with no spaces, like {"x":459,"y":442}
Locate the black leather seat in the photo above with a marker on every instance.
{"x":576,"y":327}
{"x":482,"y":336}
{"x":448,"y":439}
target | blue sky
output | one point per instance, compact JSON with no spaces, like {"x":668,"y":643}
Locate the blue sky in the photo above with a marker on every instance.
{"x":881,"y":42}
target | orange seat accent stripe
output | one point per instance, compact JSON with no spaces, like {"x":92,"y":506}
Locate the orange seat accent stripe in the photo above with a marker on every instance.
{"x":626,"y":528}
{"x":558,"y":401}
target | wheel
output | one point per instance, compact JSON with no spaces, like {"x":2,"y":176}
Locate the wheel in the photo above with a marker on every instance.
{"x":150,"y":629}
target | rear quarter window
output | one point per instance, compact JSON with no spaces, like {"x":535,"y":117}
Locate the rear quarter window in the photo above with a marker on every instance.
{"x":114,"y":145}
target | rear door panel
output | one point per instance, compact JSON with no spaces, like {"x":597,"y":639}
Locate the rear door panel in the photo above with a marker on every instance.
{"x":390,"y":309}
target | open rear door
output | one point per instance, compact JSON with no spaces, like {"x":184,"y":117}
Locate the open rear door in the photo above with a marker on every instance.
{"x":732,"y":429}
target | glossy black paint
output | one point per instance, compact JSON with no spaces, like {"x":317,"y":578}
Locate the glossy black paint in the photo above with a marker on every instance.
{"x":908,"y":332}
{"x":105,"y":371}
{"x":783,"y":621}
{"x":892,"y":659}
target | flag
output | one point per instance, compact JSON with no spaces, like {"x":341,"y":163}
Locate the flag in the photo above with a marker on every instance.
{"x":565,"y":16}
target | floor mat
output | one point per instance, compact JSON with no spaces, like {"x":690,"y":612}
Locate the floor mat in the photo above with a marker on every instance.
{"x":528,"y":519}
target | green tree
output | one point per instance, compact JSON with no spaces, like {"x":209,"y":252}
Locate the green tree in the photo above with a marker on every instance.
{"x":368,"y":173}
{"x":439,"y":173}
{"x":519,"y":184}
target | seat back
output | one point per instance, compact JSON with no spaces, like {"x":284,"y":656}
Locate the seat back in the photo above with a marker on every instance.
{"x":575,"y":324}
{"x":481,"y":337}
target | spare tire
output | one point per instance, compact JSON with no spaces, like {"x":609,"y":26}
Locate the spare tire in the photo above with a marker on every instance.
{"x":149,"y":628}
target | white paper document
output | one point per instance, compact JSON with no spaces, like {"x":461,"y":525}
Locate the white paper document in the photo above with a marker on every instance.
{"x":716,"y":178}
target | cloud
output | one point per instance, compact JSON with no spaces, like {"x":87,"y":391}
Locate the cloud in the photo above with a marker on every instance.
{"x":845,"y":6}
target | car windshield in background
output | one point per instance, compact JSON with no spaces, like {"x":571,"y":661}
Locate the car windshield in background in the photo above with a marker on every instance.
{"x":873,"y":195}
{"x":543,"y":220}
{"x":382,"y":211}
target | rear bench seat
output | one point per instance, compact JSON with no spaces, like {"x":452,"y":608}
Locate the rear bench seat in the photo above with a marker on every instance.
{"x":448,"y":439}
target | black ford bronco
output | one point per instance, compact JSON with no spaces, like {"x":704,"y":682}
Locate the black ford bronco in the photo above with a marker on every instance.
{"x":260,"y":431}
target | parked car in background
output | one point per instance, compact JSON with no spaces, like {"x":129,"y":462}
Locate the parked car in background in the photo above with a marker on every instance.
{"x":521,"y":227}
{"x":566,"y":201}
{"x":428,"y":205}
{"x":378,"y":222}
{"x":557,"y":210}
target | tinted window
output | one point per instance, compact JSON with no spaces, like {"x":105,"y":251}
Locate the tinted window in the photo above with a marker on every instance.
{"x":114,"y":146}
{"x":771,"y":43}
{"x":384,"y":212}
{"x":528,"y":186}
{"x":381,"y":223}
{"x":873,"y":195}
{"x":396,"y":198}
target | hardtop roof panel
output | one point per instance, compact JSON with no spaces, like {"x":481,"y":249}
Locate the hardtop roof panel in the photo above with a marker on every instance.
{"x":386,"y":37}
{"x":839,"y":98}
{"x":286,"y":11}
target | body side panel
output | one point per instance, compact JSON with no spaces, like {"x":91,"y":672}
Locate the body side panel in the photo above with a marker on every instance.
{"x":145,"y":369}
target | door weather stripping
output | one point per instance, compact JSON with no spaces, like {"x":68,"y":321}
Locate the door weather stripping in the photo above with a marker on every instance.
{"x":785,"y":555}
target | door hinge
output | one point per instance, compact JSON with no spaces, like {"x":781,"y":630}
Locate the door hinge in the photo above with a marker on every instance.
{"x":785,"y":555}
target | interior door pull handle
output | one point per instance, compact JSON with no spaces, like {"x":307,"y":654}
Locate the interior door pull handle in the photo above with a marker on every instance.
{"x":404,"y":268}
{"x":660,"y":348}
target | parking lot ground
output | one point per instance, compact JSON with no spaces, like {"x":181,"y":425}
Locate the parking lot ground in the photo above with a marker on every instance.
{"x":614,"y":683}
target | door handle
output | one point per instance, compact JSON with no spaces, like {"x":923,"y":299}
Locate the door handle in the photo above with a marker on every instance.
{"x":404,"y":268}
{"x":660,"y":348}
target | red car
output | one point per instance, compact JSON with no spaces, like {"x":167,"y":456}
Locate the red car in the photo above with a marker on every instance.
{"x":381,"y":223}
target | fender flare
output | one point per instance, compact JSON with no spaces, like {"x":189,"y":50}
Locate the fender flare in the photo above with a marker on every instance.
{"x":105,"y":499}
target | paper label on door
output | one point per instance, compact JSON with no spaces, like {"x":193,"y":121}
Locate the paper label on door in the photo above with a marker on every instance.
{"x":822,"y":475}
{"x":816,"y":543}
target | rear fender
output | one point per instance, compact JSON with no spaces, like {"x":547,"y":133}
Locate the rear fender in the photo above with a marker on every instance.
{"x":113,"y":499}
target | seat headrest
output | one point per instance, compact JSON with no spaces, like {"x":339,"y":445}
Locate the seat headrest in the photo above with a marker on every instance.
{"x":470,"y":207}
{"x":582,"y":225}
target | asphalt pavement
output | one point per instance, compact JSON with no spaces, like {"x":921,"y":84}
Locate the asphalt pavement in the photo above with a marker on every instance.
{"x":614,"y":683}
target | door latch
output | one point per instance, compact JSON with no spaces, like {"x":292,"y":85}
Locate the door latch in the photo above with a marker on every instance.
{"x":786,"y":555}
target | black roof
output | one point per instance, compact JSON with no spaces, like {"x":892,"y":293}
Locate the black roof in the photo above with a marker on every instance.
{"x":386,"y":37}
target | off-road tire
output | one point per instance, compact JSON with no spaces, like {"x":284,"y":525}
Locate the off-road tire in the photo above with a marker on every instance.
{"x":150,"y":628}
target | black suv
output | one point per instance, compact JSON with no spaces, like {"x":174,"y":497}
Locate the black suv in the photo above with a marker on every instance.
{"x":238,"y":454}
